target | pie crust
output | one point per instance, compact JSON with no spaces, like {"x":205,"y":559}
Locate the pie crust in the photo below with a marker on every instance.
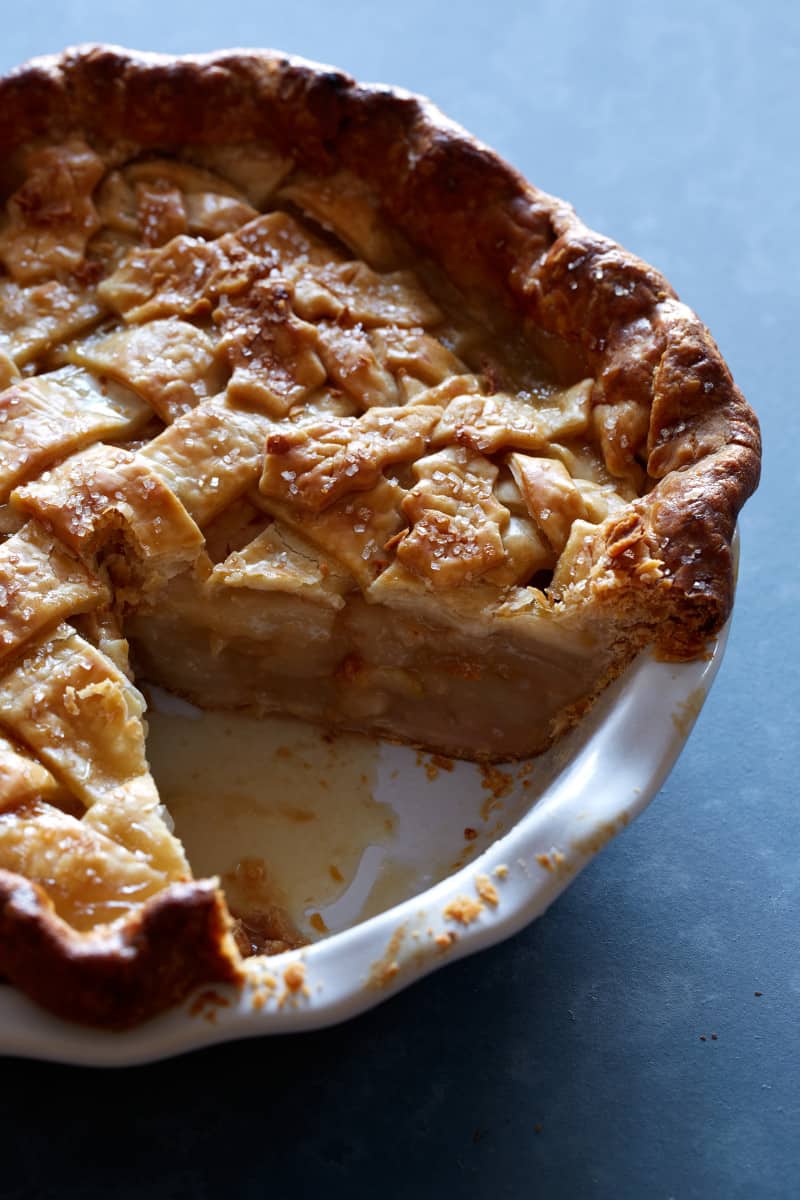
{"x":311,"y":403}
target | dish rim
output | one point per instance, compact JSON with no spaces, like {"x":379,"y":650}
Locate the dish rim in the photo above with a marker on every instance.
{"x":651,"y":709}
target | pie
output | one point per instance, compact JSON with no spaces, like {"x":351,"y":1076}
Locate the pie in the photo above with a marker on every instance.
{"x":309,"y":404}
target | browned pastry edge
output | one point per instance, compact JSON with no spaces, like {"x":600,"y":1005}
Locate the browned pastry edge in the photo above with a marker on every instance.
{"x":116,"y":978}
{"x":528,"y":253}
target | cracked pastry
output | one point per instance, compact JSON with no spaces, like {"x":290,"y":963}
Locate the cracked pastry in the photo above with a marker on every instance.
{"x":310,"y":404}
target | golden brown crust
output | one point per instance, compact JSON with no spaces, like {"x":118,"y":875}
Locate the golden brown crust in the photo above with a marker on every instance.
{"x":443,"y":190}
{"x":115,"y":978}
{"x":668,"y":555}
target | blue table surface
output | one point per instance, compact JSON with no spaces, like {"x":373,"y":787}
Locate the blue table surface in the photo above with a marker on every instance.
{"x":568,"y":1061}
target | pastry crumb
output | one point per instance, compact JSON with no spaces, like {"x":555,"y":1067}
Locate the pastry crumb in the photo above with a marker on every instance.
{"x":554,"y":861}
{"x":463,"y":909}
{"x":294,"y":979}
{"x":434,"y":764}
{"x":486,"y":890}
{"x":207,"y":1003}
{"x":294,"y":976}
{"x":386,"y":968}
{"x":497,"y":783}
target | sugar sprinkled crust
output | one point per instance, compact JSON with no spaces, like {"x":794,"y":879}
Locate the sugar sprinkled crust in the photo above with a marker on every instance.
{"x":530,"y":253}
{"x":663,"y":563}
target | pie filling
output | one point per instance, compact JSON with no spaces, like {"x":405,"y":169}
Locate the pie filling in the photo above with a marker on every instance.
{"x":255,"y":452}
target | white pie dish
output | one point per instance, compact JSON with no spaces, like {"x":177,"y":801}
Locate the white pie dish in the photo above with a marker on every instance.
{"x":540,"y":824}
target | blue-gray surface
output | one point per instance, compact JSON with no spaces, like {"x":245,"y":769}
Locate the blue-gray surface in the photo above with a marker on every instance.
{"x":569,"y":1061}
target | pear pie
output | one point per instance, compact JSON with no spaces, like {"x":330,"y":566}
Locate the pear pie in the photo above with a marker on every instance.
{"x":310,"y":404}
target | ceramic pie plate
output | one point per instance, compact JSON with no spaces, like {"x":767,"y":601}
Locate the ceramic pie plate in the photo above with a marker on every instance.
{"x":394,"y":862}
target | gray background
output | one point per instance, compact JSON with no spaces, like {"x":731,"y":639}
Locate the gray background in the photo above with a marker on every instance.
{"x":567,"y":1062}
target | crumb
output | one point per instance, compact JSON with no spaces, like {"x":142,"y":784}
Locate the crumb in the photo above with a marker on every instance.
{"x":537,"y":1127}
{"x":463,"y":909}
{"x":502,"y":871}
{"x":714,"y":1037}
{"x":486,"y":890}
{"x":386,"y":968}
{"x":497,"y":783}
{"x":317,"y":921}
{"x":336,"y":874}
{"x":758,"y":993}
{"x":435,"y":764}
{"x":702,"y":1038}
{"x":207,"y":1003}
{"x":294,"y":976}
{"x":554,"y":861}
{"x":445,"y":940}
{"x":470,"y":834}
